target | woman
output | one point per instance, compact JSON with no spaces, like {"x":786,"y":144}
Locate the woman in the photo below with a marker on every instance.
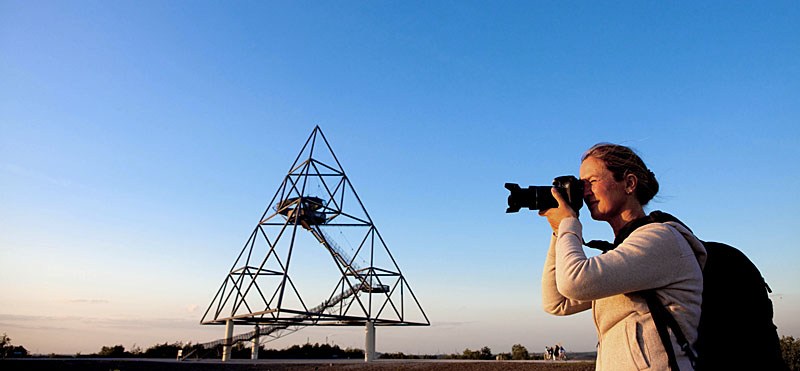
{"x":662,"y":256}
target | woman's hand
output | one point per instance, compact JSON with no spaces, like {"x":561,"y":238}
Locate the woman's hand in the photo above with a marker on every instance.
{"x":557,"y":214}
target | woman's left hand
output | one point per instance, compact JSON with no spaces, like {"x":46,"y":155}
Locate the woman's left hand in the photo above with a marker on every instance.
{"x":557,"y":214}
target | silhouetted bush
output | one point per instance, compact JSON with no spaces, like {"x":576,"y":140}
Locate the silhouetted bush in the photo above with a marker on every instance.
{"x":519,"y":352}
{"x":7,"y":350}
{"x":165,"y":350}
{"x":117,"y":351}
{"x":790,"y":348}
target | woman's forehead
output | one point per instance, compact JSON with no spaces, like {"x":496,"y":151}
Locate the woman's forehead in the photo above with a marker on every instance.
{"x":592,"y":166}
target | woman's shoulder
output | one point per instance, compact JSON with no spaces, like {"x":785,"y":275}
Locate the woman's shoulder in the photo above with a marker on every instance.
{"x":660,"y":230}
{"x":652,"y":237}
{"x":668,"y":236}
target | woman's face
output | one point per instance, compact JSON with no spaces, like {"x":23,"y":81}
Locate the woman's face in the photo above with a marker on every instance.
{"x":604,"y":196}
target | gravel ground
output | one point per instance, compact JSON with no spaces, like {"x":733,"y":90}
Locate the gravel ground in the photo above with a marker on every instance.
{"x":33,"y":364}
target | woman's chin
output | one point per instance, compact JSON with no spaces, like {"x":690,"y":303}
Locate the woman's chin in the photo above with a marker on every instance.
{"x":597,"y":215}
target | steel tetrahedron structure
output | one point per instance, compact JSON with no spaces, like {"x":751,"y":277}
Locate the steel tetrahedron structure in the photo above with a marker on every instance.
{"x":317,"y":227}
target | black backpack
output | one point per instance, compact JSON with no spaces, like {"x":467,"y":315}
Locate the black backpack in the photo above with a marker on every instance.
{"x":736,"y":331}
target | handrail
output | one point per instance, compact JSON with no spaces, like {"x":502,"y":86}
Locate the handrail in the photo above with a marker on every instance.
{"x":266,"y":330}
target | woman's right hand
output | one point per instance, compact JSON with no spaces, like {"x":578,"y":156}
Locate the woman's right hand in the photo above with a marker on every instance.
{"x":556,"y":214}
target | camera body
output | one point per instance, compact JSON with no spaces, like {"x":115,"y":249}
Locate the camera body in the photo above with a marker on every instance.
{"x":540,"y":198}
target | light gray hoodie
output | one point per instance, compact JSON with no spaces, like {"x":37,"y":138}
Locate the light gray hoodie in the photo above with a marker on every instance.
{"x":662,"y":256}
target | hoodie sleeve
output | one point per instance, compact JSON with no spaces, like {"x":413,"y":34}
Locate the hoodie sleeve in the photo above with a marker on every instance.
{"x":649,"y":258}
{"x":552,"y":300}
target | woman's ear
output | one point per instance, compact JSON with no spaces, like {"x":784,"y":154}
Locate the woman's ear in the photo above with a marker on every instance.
{"x":631,"y":181}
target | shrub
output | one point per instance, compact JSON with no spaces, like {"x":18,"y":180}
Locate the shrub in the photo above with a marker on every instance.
{"x":8,"y":350}
{"x":790,"y":349}
{"x":117,"y":351}
{"x":519,"y":352}
{"x":165,"y":350}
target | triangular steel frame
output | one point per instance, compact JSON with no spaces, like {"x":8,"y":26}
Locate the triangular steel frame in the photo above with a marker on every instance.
{"x":380,"y":295}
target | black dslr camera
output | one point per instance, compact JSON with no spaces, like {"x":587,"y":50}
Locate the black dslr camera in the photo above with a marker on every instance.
{"x":540,"y":198}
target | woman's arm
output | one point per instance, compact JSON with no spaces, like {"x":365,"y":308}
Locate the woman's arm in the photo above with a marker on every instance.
{"x":648,"y":258}
{"x":552,"y":300}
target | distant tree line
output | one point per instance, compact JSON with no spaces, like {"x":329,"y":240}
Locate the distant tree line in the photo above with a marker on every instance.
{"x":308,"y":351}
{"x":518,"y":352}
{"x":401,"y":355}
{"x":484,"y":353}
{"x":239,"y":350}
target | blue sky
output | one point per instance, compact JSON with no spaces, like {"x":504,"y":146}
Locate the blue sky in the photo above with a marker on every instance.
{"x":141,"y":141}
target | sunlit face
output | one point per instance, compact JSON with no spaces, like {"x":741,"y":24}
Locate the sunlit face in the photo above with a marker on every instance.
{"x":604,"y":196}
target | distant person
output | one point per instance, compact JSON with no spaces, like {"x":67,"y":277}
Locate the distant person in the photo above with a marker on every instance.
{"x":662,"y":256}
{"x":556,"y":351}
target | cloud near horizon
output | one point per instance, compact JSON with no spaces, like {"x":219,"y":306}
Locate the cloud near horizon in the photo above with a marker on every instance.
{"x":447,"y":324}
{"x":88,"y":301}
{"x":43,"y":321}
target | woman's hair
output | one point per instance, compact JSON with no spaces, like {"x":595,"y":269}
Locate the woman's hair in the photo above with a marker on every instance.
{"x":621,"y":161}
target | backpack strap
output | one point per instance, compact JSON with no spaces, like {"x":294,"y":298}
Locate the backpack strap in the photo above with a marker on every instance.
{"x":657,"y":312}
{"x":663,"y":319}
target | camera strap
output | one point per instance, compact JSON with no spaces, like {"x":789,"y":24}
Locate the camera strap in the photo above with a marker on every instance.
{"x":601,"y":245}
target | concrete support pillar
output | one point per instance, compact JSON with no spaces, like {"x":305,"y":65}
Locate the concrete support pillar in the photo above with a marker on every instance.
{"x":254,"y":352}
{"x":226,"y":349}
{"x":369,"y":344}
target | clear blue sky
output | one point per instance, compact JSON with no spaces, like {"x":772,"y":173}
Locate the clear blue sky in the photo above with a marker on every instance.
{"x":140,"y":141}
